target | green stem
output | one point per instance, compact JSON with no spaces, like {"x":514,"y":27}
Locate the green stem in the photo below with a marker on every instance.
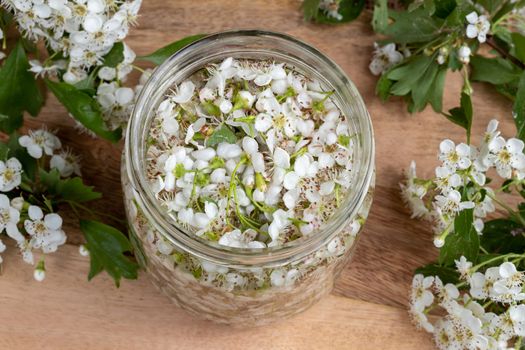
{"x":506,"y":207}
{"x":499,"y":257}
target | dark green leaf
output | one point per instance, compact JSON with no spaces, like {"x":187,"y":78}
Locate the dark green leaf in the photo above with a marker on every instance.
{"x":84,"y":108}
{"x":70,"y":189}
{"x":107,"y":246}
{"x":503,"y":236}
{"x":519,"y":109}
{"x":435,"y":96}
{"x":446,"y":274}
{"x":421,"y":92}
{"x":407,"y":75}
{"x":412,"y":27}
{"x":463,"y":241}
{"x":462,"y":115}
{"x":4,"y":151}
{"x":519,"y":46}
{"x":493,"y":70}
{"x":159,"y":56}
{"x":18,"y":90}
{"x":115,"y":55}
{"x":221,"y":134}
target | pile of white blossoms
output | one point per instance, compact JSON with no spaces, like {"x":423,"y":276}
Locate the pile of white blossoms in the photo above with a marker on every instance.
{"x":79,"y":34}
{"x":387,"y":56}
{"x":463,"y":166}
{"x":250,"y":154}
{"x":26,"y":224}
{"x":468,"y":323}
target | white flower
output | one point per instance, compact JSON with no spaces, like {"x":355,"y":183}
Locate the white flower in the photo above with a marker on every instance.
{"x":10,"y":174}
{"x":463,"y":266}
{"x":420,"y":295}
{"x":39,"y":274}
{"x":478,"y":26}
{"x":282,"y":277}
{"x":447,"y":179}
{"x":238,"y":239}
{"x":45,"y":231}
{"x":455,"y":157}
{"x":41,"y":70}
{"x":39,"y":142}
{"x":464,"y":53}
{"x":83,"y":250}
{"x":517,"y":316}
{"x":413,"y":193}
{"x":66,"y":162}
{"x":184,"y":92}
{"x":506,"y":155}
{"x":451,"y":203}
{"x":9,"y":218}
{"x":279,"y":223}
{"x":384,"y":58}
{"x":420,"y":318}
{"x":481,"y":285}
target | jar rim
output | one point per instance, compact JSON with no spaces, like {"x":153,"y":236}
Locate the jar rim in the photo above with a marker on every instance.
{"x":215,"y":253}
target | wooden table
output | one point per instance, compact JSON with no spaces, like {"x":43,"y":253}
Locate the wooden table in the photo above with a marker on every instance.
{"x":368,"y":307}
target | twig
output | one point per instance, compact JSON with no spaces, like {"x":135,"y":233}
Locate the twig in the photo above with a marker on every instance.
{"x":505,"y":54}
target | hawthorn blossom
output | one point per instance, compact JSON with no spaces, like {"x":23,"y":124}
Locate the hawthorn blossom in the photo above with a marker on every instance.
{"x":384,"y":58}
{"x":66,"y":162}
{"x":10,"y":174}
{"x":40,"y":142}
{"x":45,"y":231}
{"x":478,"y":26}
{"x":506,"y":155}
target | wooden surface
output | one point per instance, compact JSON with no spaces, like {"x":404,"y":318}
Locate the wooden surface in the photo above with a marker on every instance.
{"x":368,"y":307}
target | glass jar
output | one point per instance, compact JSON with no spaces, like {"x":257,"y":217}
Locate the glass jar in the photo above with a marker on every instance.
{"x":235,"y":285}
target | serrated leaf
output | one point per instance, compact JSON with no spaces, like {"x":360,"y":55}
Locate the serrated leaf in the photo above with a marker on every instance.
{"x":493,"y":70}
{"x":159,"y":56}
{"x":18,"y":90}
{"x":420,"y":92}
{"x":435,"y":97}
{"x":463,"y":241}
{"x":446,"y":274}
{"x":107,"y":246}
{"x":114,"y":56}
{"x":221,"y":134}
{"x":462,"y":115}
{"x":383,"y":87}
{"x":70,"y":189}
{"x":412,"y":27}
{"x":84,"y":108}
{"x":407,"y":75}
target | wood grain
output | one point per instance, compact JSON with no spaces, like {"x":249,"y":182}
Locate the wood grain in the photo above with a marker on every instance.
{"x":94,"y":315}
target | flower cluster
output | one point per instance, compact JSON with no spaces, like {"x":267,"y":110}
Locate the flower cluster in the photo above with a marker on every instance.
{"x":250,"y":153}
{"x":385,"y":57}
{"x":460,"y":181}
{"x":79,"y":35}
{"x":81,"y":31}
{"x":28,"y":221}
{"x":484,"y":311}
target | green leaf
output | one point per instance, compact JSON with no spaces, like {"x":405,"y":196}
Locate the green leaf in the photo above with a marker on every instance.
{"x":70,"y":189}
{"x":493,"y":70}
{"x":114,"y":56}
{"x":84,"y":108}
{"x":310,"y":9}
{"x":221,"y":134}
{"x":435,"y":96}
{"x":4,"y":151}
{"x":412,"y":27}
{"x":408,"y":75}
{"x":503,"y":236}
{"x":348,"y":9}
{"x":462,"y":115}
{"x":380,"y":16}
{"x":383,"y":87}
{"x":421,"y":92}
{"x":159,"y":56}
{"x":519,"y":109}
{"x":107,"y":246}
{"x":519,"y":46}
{"x":445,"y":273}
{"x":463,"y":241}
{"x":18,"y":90}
